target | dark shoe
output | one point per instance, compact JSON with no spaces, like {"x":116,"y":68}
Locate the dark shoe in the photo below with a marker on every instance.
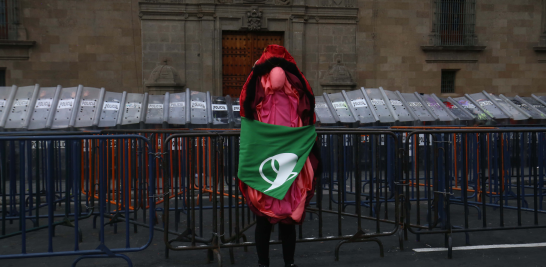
{"x":290,"y":265}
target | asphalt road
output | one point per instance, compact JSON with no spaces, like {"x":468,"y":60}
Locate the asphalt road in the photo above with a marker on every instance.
{"x":307,"y":254}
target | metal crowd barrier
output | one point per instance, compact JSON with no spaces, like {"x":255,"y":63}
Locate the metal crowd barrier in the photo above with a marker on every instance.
{"x":220,"y":218}
{"x":408,"y":179}
{"x":498,"y":173}
{"x":50,"y":181}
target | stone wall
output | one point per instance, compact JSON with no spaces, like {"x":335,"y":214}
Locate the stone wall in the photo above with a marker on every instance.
{"x":379,"y":43}
{"x":316,"y":37}
{"x":390,"y":35}
{"x":95,"y":43}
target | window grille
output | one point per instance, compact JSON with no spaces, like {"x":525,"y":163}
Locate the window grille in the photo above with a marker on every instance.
{"x":455,"y":21}
{"x":448,"y":81}
{"x":9,"y":19}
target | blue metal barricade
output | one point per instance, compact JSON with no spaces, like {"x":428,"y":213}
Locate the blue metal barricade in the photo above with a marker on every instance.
{"x":40,"y":174}
{"x":476,"y":180}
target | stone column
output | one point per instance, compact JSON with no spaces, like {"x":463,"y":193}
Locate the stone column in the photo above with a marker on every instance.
{"x":207,"y":55}
{"x":297,"y":41}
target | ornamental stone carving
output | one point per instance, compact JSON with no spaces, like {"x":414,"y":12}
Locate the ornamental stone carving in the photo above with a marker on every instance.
{"x":283,"y":2}
{"x":337,"y":78}
{"x":337,"y":3}
{"x":261,"y":2}
{"x":164,"y":78}
{"x":254,"y":19}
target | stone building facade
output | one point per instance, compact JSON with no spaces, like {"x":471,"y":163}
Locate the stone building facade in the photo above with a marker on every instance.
{"x":95,"y":43}
{"x":338,"y":44}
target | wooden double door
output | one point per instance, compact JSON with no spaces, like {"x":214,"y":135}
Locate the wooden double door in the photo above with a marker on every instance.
{"x":239,"y":52}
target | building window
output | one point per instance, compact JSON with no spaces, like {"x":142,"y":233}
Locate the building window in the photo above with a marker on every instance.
{"x":9,"y":19}
{"x":448,"y":81}
{"x":2,"y":77}
{"x":454,"y":22}
{"x":3,"y":19}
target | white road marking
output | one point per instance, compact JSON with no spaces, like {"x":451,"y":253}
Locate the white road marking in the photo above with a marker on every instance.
{"x":528,"y":245}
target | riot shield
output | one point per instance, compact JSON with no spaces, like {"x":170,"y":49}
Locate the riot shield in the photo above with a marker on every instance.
{"x":111,"y":109}
{"x":66,"y":107}
{"x":198,"y":108}
{"x":488,"y":105}
{"x":154,"y":111}
{"x":22,"y":107}
{"x":417,"y":107}
{"x":516,"y":113}
{"x":536,"y":104}
{"x":341,"y":108}
{"x":534,"y":112}
{"x":133,"y":109}
{"x":469,"y":106}
{"x":177,"y":108}
{"x":360,"y":107}
{"x":45,"y":107}
{"x":90,"y":105}
{"x":7,"y":95}
{"x":220,"y":115}
{"x":458,"y":110}
{"x":397,"y":103}
{"x":380,"y":106}
{"x":437,"y":107}
{"x":323,"y":112}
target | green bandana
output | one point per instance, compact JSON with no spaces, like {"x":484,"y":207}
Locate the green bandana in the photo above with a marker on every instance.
{"x":272,"y":156}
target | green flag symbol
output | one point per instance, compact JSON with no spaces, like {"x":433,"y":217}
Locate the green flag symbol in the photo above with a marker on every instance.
{"x":272,"y":156}
{"x":282,"y":164}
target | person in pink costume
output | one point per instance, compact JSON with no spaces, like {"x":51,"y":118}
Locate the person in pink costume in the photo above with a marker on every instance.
{"x":276,"y":92}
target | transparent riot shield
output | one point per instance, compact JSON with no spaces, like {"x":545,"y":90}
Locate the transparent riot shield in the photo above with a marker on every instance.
{"x":177,"y":108}
{"x":22,"y":107}
{"x":220,"y":115}
{"x":90,"y":105}
{"x":44,"y":109}
{"x":542,"y":97}
{"x":236,"y":111}
{"x":478,"y":113}
{"x":535,"y":113}
{"x":536,"y":104}
{"x":360,"y":107}
{"x":437,"y":107}
{"x":380,"y":105}
{"x":398,"y":106}
{"x":341,"y":108}
{"x":323,"y":112}
{"x":111,"y":109}
{"x":458,"y":110}
{"x":66,"y":107}
{"x":198,"y":108}
{"x":417,"y":107}
{"x":154,"y":111}
{"x":133,"y":109}
{"x":7,"y":95}
{"x":516,"y":113}
{"x":491,"y":108}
